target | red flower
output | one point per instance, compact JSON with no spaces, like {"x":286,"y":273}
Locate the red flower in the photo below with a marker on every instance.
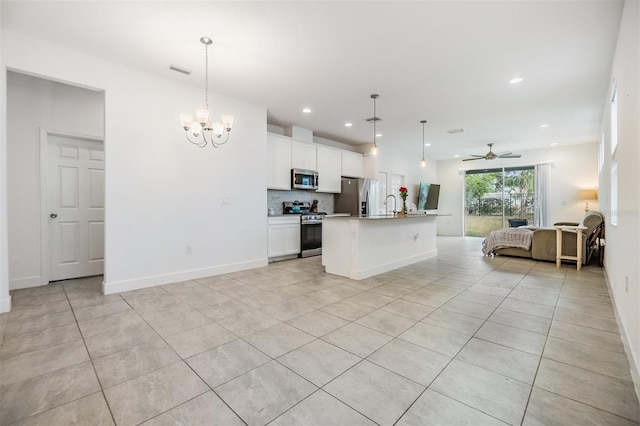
{"x":402,"y":189}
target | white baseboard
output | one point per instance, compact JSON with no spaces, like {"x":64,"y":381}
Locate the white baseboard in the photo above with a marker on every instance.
{"x":155,"y":280}
{"x":634,"y":362}
{"x":5,"y":304}
{"x":361,"y":274}
{"x":27,"y":282}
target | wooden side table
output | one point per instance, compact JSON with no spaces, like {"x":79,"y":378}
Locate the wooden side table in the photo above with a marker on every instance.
{"x":559,"y":256}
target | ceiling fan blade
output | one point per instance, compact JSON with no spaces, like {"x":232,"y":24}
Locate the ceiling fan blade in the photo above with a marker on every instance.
{"x":476,"y":155}
{"x":471,"y":159}
{"x":504,"y":153}
{"x":510,"y":156}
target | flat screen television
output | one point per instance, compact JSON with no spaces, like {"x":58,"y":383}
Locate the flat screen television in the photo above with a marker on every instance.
{"x":428,"y":197}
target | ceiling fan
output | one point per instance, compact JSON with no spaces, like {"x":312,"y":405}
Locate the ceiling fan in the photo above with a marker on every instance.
{"x":492,"y":155}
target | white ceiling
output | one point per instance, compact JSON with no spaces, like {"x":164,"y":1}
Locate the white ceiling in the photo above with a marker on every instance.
{"x":448,"y":62}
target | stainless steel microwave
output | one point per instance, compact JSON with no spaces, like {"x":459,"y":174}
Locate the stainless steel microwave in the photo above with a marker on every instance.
{"x":304,"y":179}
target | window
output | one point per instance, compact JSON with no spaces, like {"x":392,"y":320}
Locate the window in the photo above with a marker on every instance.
{"x":388,"y":184}
{"x":613,"y":126}
{"x":498,"y":198}
{"x":382,"y":193}
{"x":601,"y":153}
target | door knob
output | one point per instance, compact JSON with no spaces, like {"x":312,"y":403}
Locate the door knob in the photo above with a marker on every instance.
{"x":53,"y":215}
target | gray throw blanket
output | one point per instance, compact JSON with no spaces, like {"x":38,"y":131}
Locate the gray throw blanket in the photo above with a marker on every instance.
{"x":512,"y":237}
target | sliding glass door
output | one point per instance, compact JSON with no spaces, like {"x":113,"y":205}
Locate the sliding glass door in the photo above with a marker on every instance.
{"x":498,"y":198}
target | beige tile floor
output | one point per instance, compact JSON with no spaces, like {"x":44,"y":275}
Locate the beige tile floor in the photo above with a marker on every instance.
{"x":458,"y":339}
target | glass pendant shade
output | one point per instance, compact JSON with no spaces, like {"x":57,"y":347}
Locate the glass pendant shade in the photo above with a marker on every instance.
{"x":196,"y":128}
{"x":218,"y":129}
{"x":185,"y":120}
{"x":227,"y":122}
{"x":374,"y":150}
{"x":202,"y":115}
{"x":423,"y":163}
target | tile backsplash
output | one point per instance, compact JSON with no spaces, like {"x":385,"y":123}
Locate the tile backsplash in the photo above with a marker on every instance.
{"x":276,"y":198}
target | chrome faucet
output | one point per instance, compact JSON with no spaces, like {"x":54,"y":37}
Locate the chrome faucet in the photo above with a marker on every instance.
{"x":395,"y":202}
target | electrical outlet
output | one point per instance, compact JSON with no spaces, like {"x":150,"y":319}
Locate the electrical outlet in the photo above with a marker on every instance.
{"x":188,"y":249}
{"x":626,"y":284}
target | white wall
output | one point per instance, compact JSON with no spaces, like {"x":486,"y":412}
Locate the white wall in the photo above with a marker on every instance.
{"x":572,"y":168}
{"x":5,"y":299}
{"x":34,"y":103}
{"x":161,"y":192}
{"x":623,"y":241}
{"x":394,"y":161}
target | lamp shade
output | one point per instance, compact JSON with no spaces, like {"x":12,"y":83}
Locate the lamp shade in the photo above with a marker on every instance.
{"x":587,"y":194}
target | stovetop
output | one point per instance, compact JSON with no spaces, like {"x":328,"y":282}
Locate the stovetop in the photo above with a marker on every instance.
{"x":303,"y":208}
{"x":299,"y":207}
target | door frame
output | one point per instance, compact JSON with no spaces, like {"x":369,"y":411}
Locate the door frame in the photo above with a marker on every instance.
{"x":44,"y":213}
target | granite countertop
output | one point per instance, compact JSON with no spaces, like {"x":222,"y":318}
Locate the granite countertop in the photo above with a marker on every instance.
{"x":383,"y":216}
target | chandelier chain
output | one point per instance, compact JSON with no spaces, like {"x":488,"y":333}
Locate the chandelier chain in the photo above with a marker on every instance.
{"x":206,"y":75}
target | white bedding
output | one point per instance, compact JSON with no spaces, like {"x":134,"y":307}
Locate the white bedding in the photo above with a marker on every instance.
{"x":504,"y":238}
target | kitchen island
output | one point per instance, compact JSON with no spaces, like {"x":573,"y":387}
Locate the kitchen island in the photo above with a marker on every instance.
{"x":361,"y":247}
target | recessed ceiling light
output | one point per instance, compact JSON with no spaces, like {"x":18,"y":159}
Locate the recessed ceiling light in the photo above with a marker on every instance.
{"x":454,"y":131}
{"x":553,"y":143}
{"x":456,"y":156}
{"x":378,"y":135}
{"x":348,"y":124}
{"x":516,"y":80}
{"x":306,"y":110}
{"x":543,"y":125}
{"x":427,"y":144}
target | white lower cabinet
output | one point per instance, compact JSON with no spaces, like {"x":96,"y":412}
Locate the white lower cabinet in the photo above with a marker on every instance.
{"x":284,"y":236}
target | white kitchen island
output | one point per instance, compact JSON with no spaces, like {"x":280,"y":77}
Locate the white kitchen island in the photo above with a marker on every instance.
{"x":361,"y":247}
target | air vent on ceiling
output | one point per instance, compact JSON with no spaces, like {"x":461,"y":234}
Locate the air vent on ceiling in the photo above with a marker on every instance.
{"x":180,"y":70}
{"x":454,"y":131}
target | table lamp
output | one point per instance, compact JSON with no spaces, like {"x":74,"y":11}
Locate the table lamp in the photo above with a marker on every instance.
{"x":587,"y":195}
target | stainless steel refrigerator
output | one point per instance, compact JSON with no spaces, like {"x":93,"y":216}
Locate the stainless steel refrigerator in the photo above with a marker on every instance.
{"x":358,"y":197}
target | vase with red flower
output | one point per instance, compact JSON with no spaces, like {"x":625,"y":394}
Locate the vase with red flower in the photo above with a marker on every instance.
{"x":403,"y":194}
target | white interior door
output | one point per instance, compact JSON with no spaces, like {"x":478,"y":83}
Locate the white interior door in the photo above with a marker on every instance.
{"x":75,"y":194}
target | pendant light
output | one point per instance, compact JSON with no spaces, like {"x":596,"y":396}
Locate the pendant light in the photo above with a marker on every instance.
{"x":210,"y":132}
{"x":423,"y":162}
{"x":374,"y":119}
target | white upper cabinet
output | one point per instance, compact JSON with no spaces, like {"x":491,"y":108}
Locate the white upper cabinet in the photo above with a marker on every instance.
{"x":303,"y":156}
{"x":329,"y":170}
{"x":278,"y":162}
{"x":284,"y":154}
{"x":352,"y":164}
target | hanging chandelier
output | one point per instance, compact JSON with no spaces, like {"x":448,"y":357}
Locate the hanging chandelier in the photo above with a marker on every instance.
{"x":200,"y":132}
{"x":423,"y":162}
{"x":374,"y":119}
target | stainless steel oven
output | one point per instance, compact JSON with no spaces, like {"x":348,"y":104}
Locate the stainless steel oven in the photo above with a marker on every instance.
{"x":310,"y":226}
{"x":310,"y":234}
